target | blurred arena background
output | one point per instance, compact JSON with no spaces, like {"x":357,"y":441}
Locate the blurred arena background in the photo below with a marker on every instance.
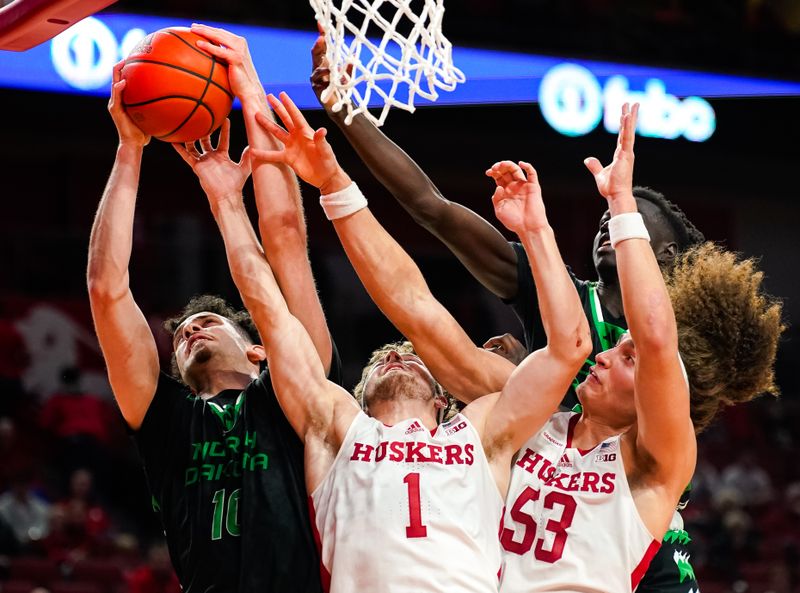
{"x":61,"y":441}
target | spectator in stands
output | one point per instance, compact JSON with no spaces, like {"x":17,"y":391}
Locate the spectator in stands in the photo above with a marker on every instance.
{"x":749,"y":479}
{"x":81,"y":425}
{"x":26,"y":513}
{"x":79,"y":526}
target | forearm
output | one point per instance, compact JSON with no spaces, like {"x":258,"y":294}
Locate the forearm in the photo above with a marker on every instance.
{"x":562,"y":315}
{"x":112,"y":231}
{"x":283,"y":232}
{"x":645,"y":300}
{"x":473,"y":240}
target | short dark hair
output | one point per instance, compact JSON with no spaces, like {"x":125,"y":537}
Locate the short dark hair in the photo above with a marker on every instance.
{"x":686,"y":234}
{"x":212,"y":303}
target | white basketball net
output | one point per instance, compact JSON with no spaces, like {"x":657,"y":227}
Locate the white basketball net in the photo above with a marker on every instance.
{"x":402,"y":66}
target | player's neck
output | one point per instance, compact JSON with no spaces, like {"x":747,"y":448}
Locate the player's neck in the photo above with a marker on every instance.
{"x":392,"y":412}
{"x":592,"y":430}
{"x":215,"y":382}
{"x":610,"y":295}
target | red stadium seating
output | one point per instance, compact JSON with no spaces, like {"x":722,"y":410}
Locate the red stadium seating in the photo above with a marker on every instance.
{"x":76,"y":587}
{"x":37,"y":570}
{"x":106,"y":573}
{"x":15,"y":586}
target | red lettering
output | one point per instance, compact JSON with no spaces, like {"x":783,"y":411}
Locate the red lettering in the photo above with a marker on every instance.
{"x":525,"y":520}
{"x":453,"y":454}
{"x":608,"y":483}
{"x":573,"y":482}
{"x":362,"y":452}
{"x":435,"y":453}
{"x":546,"y":471}
{"x":380,"y":451}
{"x":469,"y":458}
{"x":396,"y":451}
{"x":590,"y":480}
{"x":414,"y":452}
{"x":529,"y":460}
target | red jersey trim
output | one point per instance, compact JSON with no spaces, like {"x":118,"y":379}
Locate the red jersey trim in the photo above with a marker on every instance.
{"x":325,"y":576}
{"x":644,"y":563}
{"x":573,"y":421}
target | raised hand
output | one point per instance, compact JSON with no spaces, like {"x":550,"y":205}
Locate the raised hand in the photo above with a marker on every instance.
{"x":518,"y":197}
{"x":233,"y":50}
{"x":129,"y":132}
{"x":508,"y":347}
{"x":320,"y":71}
{"x":615,"y":181}
{"x":304,"y":149}
{"x":220,"y":177}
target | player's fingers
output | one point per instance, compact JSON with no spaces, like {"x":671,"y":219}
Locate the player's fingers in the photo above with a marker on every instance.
{"x":628,"y":128}
{"x":321,"y":76}
{"x":318,"y":50}
{"x":279,"y":108}
{"x":266,"y":156}
{"x":493,"y":343}
{"x":191,"y":149}
{"x":319,"y":135}
{"x":530,"y":172}
{"x":320,"y":28}
{"x":205,"y":144}
{"x":225,"y":54}
{"x":116,"y":73}
{"x":270,"y":126}
{"x":298,"y":118}
{"x":593,"y":165}
{"x":181,"y":150}
{"x":215,"y":34}
{"x":246,"y":162}
{"x":224,"y":142}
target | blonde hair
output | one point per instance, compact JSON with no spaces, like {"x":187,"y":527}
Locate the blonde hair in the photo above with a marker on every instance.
{"x":401,"y":347}
{"x":728,"y":329}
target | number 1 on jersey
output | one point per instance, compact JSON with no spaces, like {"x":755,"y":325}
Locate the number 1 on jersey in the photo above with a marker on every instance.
{"x":415,"y":528}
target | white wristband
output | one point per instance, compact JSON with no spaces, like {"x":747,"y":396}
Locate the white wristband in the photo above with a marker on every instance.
{"x":343,"y":202}
{"x":626,"y":226}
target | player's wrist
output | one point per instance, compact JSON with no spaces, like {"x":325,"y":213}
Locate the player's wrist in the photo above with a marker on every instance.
{"x":343,"y":202}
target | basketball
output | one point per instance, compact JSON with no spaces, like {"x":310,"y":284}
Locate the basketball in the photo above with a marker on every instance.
{"x":175,"y":91}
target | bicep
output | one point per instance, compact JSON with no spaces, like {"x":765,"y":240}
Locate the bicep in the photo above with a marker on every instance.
{"x":130,"y":353}
{"x":464,"y":370}
{"x":530,"y":396}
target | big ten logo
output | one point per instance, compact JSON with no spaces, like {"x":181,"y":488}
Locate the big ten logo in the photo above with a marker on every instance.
{"x":84,"y":55}
{"x":573,"y":102}
{"x":214,"y":460}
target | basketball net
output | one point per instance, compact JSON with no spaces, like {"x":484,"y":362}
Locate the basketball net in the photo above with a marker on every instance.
{"x":401,"y":67}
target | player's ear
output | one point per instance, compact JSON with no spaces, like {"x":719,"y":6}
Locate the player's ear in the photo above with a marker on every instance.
{"x":256,"y":353}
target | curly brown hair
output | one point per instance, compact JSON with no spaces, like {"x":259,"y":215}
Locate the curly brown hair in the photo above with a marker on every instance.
{"x":213,"y":304}
{"x":401,"y":347}
{"x":728,"y":329}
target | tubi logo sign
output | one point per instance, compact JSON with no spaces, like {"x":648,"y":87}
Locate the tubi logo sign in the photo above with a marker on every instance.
{"x":573,"y":103}
{"x":85,"y":54}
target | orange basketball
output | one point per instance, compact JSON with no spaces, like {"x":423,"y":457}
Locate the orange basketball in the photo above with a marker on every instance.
{"x":175,"y":91}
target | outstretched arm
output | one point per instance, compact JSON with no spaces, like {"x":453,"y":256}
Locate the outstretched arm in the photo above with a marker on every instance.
{"x":128,"y":346}
{"x":664,"y":428}
{"x":281,"y":221}
{"x":537,"y":385}
{"x":473,"y":240}
{"x":308,"y":399}
{"x":390,"y":276}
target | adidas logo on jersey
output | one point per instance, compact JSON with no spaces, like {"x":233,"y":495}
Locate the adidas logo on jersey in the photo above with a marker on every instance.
{"x":564,"y":461}
{"x":415,"y":427}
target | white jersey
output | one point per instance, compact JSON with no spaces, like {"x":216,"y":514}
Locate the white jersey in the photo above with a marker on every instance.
{"x":570,"y":522}
{"x":403,"y":510}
